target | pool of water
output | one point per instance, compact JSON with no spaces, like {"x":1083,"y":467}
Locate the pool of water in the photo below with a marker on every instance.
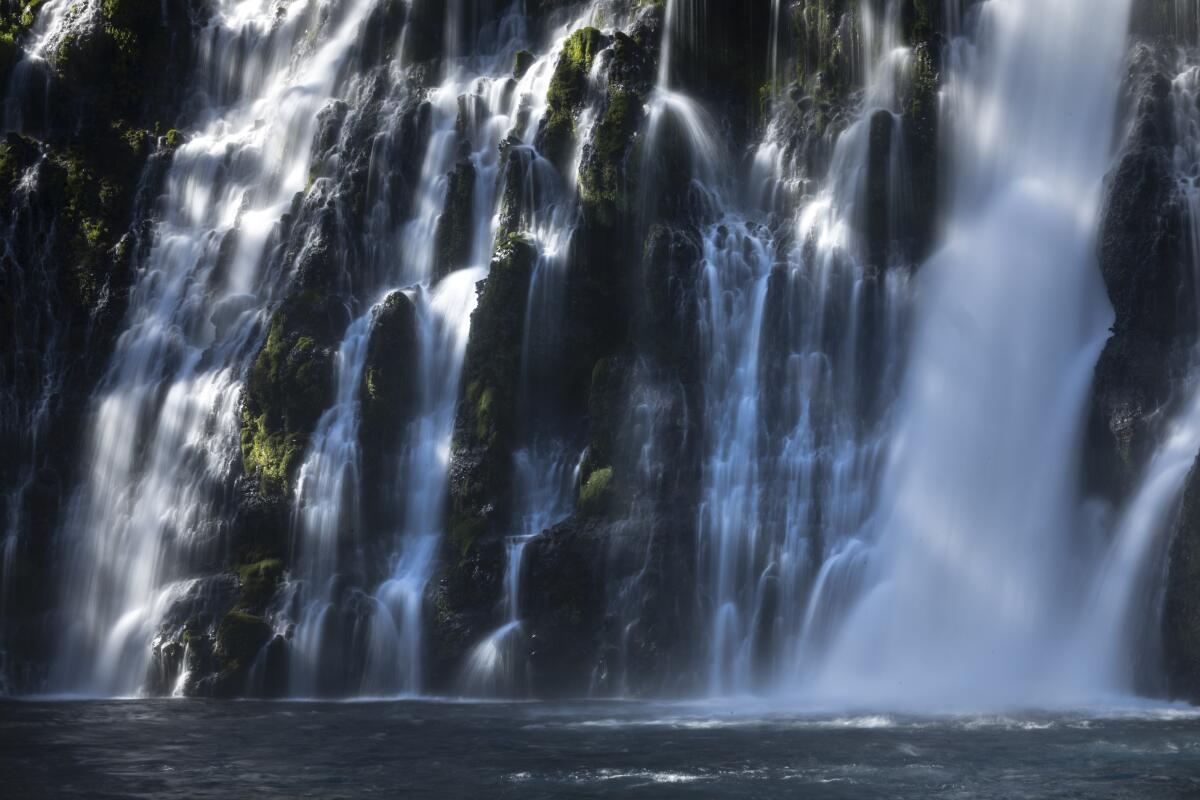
{"x":178,"y":748}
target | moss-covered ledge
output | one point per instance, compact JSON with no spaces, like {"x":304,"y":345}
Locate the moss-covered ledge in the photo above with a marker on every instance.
{"x":567,"y":92}
{"x":485,"y":424}
{"x":288,"y":387}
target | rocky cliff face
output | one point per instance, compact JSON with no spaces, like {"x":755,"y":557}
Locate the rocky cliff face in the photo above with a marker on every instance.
{"x":89,"y":129}
{"x":1147,"y":258}
{"x":608,"y":588}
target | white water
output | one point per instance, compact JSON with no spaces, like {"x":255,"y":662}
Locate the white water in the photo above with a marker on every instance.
{"x":975,"y":581}
{"x":328,"y":486}
{"x":853,"y":547}
{"x":474,"y":109}
{"x":327,"y":510}
{"x":394,"y":656}
{"x":788,"y":480}
{"x":165,"y":426}
{"x":1125,"y":591}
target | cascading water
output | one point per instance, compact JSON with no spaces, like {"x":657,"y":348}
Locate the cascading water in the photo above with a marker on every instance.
{"x":474,"y":109}
{"x":164,"y":434}
{"x":815,"y":461}
{"x":1126,"y":590}
{"x":801,"y":333}
{"x":327,"y":503}
{"x":973,"y":582}
{"x":394,"y":661}
{"x":26,"y":407}
{"x":544,"y":467}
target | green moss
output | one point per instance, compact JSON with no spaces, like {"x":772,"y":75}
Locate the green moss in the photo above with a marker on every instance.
{"x":259,"y":581}
{"x":522,"y":61}
{"x":596,"y":494}
{"x":602,"y":173}
{"x":484,"y":404}
{"x":94,"y":209}
{"x":465,"y":531}
{"x":486,"y":422}
{"x":826,"y":35}
{"x":568,"y":88}
{"x":922,"y":21}
{"x":288,"y":387}
{"x":239,"y":638}
{"x":17,"y":18}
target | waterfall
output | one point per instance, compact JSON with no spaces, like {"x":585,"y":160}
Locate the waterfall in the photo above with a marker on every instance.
{"x":394,"y":659}
{"x":974,"y":582}
{"x":475,"y":109}
{"x":26,"y":406}
{"x":793,"y":323}
{"x":1126,"y":591}
{"x":361,"y":426}
{"x":165,"y":424}
{"x":327,"y":513}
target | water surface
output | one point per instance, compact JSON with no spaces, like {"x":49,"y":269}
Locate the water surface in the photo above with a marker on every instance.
{"x":163,"y":748}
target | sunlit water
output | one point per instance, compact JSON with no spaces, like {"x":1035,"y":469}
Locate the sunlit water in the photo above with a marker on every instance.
{"x":603,"y":749}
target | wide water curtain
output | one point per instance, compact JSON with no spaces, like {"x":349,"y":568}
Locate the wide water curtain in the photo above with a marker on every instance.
{"x":977,"y":528}
{"x":839,"y":351}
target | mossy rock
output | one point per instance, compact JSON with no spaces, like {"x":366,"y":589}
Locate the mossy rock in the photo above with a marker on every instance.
{"x":826,"y":35}
{"x":240,"y":636}
{"x":454,"y":236}
{"x":389,"y":394}
{"x":522,"y":61}
{"x":567,"y":91}
{"x":290,"y":384}
{"x":602,"y":176}
{"x":389,"y":387}
{"x":486,"y":420}
{"x":595,"y":496}
{"x":259,"y":581}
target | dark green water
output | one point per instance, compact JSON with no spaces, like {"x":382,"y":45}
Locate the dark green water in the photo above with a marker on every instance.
{"x":164,"y":748}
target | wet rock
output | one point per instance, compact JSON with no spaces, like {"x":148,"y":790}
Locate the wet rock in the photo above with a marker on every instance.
{"x":568,"y":89}
{"x":485,"y":425}
{"x":1181,"y":606}
{"x":389,"y":393}
{"x":241,"y":636}
{"x":290,"y":384}
{"x":1141,"y":259}
{"x":455,"y":229}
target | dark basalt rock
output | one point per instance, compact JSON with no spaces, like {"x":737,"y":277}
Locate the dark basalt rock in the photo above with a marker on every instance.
{"x":241,"y":636}
{"x":670,"y":271}
{"x":876,"y":225}
{"x":566,"y":588}
{"x":389,"y":386}
{"x":1181,"y":606}
{"x":388,"y":396}
{"x":485,"y":425}
{"x":73,"y":233}
{"x":1142,"y":261}
{"x":565,"y":97}
{"x":290,"y":384}
{"x":1145,"y":261}
{"x":464,"y":597}
{"x":918,"y":219}
{"x":454,"y":237}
